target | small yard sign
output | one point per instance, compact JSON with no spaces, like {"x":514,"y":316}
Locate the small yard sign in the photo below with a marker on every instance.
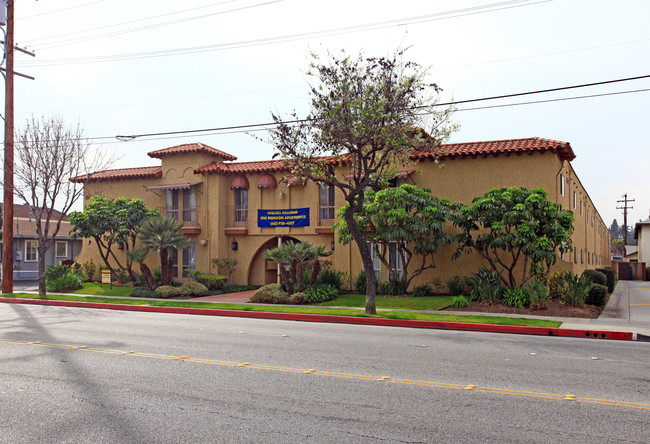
{"x":106,"y":276}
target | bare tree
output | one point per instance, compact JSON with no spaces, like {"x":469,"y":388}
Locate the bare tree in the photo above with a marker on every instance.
{"x":48,"y":154}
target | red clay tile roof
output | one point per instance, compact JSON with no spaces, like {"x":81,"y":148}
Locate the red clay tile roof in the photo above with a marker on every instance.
{"x":497,"y":147}
{"x":121,"y":174}
{"x":451,"y":150}
{"x":258,"y":166}
{"x":191,"y":148}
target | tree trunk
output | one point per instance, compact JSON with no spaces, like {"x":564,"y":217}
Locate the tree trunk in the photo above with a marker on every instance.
{"x":148,"y":276}
{"x":165,"y":273}
{"x":42,"y":290}
{"x":315,"y":271}
{"x":284,"y":279}
{"x":364,"y":250}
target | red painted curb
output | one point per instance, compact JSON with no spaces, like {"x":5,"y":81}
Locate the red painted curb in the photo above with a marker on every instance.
{"x":440,"y":325}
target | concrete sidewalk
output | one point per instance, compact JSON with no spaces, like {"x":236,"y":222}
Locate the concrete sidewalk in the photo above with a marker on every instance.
{"x":628,"y":309}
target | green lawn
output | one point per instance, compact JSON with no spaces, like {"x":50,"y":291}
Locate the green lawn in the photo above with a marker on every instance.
{"x":96,"y":288}
{"x":421,"y":303}
{"x":298,"y":309}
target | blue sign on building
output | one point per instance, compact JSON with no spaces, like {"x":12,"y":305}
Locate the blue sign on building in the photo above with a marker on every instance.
{"x":297,"y":217}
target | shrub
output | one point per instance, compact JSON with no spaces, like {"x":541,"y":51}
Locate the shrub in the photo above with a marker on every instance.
{"x":422,"y":290}
{"x":142,"y":292}
{"x":320,"y":293}
{"x":212,"y":281}
{"x":360,"y":282}
{"x":331,"y":277}
{"x":538,"y":294}
{"x":516,"y":297}
{"x":557,"y":286}
{"x":459,"y":286}
{"x":193,"y":288}
{"x":56,"y":271}
{"x":168,"y":291}
{"x":577,"y":289}
{"x":76,"y":267}
{"x":610,"y":273}
{"x":225,"y":267}
{"x":392,"y":288}
{"x":595,"y":276}
{"x":270,"y":294}
{"x":66,"y":283}
{"x":486,"y":285}
{"x":89,"y":270}
{"x":298,"y":298}
{"x":597,"y":295}
{"x":459,"y":302}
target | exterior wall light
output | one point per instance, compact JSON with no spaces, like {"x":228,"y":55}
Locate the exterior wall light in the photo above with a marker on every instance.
{"x":234,"y":245}
{"x":281,"y":196}
{"x":332,"y":245}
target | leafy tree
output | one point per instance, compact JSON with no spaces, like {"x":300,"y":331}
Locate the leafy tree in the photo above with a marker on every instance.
{"x":161,"y":234}
{"x":112,"y":224}
{"x":615,"y":230}
{"x":48,"y":155}
{"x":365,"y":115}
{"x":411,"y":219}
{"x":514,"y":226}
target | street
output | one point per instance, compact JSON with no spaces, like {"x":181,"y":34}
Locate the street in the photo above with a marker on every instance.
{"x":85,"y":375}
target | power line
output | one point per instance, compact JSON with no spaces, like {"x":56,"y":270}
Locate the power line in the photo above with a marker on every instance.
{"x":152,"y":26}
{"x":293,"y":37}
{"x":482,"y":99}
{"x":264,"y":126}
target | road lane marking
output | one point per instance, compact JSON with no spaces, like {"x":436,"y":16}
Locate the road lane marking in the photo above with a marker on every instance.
{"x":331,"y":374}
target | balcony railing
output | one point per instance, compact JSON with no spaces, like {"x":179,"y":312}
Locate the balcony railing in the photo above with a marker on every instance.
{"x":326,"y":216}
{"x":187,"y":214}
{"x":237,"y":215}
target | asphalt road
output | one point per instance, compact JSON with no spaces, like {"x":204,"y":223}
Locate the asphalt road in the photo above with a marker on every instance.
{"x":84,"y":375}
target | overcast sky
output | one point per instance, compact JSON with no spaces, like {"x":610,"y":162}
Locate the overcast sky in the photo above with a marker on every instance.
{"x":124,"y":67}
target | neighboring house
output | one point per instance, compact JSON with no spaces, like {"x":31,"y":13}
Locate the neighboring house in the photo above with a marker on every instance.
{"x":642,"y":234}
{"x":240,"y":209}
{"x":631,"y":253}
{"x":26,"y":242}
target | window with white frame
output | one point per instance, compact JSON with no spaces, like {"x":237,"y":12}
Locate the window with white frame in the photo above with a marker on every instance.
{"x":189,"y":258}
{"x":326,"y":202}
{"x":171,"y":204}
{"x":395,"y":260}
{"x":241,"y":204}
{"x":376,"y":262}
{"x":31,"y":251}
{"x":562,"y":184}
{"x":575,"y":200}
{"x":581,"y":207}
{"x":61,"y":248}
{"x":189,"y":205}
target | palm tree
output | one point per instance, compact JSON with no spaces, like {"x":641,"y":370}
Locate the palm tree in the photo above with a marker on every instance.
{"x":160,"y":234}
{"x":283,"y":256}
{"x":139,"y":255}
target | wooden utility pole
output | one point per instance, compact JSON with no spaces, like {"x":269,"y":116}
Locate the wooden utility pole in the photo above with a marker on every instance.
{"x":624,"y":208}
{"x":8,"y":221}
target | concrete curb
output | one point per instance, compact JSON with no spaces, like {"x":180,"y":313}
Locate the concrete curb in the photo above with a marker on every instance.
{"x":543,"y":331}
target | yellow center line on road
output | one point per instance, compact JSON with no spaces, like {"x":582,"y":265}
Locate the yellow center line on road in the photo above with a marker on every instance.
{"x":639,"y":304}
{"x":330,"y":374}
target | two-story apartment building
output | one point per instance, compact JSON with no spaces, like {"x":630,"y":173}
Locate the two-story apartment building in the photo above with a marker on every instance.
{"x":240,"y":209}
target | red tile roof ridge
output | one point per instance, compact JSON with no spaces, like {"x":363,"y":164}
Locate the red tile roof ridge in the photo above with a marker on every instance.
{"x":195,"y":147}
{"x":120,"y":173}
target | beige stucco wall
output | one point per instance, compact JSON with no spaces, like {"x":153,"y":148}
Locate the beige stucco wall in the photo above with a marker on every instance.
{"x":459,"y":180}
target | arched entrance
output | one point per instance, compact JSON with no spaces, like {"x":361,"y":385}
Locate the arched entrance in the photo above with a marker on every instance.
{"x":264,"y":272}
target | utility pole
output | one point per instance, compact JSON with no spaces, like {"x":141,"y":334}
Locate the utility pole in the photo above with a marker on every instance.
{"x":8,"y":221}
{"x":624,"y":208}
